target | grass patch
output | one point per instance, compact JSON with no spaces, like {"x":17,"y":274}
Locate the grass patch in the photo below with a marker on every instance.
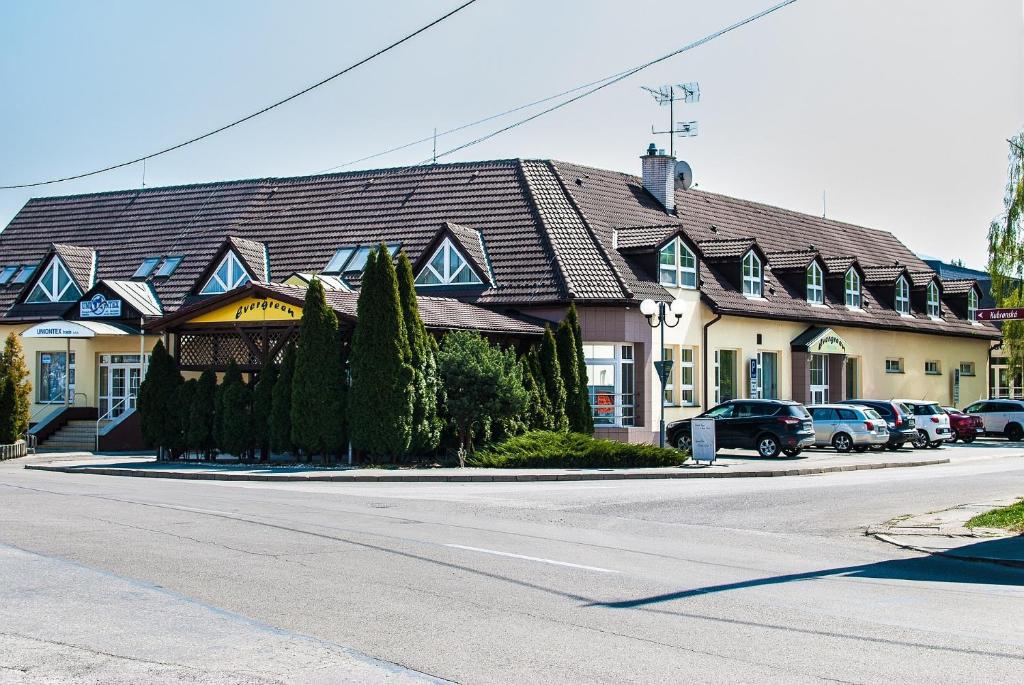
{"x":1009,"y":518}
{"x":549,"y":450}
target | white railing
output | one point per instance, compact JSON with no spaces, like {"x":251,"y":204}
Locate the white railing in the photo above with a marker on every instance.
{"x":612,"y":410}
{"x":109,"y":415}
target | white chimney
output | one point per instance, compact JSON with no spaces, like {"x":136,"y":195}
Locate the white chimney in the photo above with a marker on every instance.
{"x":659,"y":177}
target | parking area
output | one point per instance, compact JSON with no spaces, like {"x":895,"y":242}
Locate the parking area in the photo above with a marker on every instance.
{"x":981,"y":448}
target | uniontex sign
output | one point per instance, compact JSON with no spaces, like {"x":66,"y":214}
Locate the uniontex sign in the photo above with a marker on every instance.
{"x":98,"y":306}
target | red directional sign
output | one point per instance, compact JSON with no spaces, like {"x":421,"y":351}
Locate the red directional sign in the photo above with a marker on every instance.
{"x":1001,"y":314}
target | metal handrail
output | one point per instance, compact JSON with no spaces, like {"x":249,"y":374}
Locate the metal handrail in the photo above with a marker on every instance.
{"x":106,"y":416}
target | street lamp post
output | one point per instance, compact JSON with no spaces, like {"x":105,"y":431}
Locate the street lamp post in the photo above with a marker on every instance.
{"x":660,"y":315}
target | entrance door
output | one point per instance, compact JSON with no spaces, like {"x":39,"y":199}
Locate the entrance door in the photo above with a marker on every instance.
{"x":120,"y":377}
{"x":852,"y":378}
{"x":768,"y":378}
{"x":819,"y":378}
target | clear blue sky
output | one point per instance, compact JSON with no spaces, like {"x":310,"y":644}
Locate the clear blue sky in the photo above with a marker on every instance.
{"x":899,"y":109}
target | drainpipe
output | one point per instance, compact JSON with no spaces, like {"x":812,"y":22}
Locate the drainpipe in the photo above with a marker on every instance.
{"x":709,"y":324}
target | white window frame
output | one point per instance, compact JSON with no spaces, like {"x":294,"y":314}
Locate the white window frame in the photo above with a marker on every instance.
{"x":933,"y":307}
{"x":718,"y":374}
{"x":972,"y":305}
{"x":851,"y":287}
{"x":49,"y":284}
{"x":819,"y":392}
{"x":623,"y":404}
{"x":448,"y":277}
{"x":682,"y":272}
{"x":815,"y":284}
{"x":687,"y":391}
{"x":669,"y":390}
{"x":902,"y":299}
{"x":753,"y":284}
{"x":936,"y":369}
{"x":237,"y":276}
{"x":967,"y":369}
{"x":894,"y":365}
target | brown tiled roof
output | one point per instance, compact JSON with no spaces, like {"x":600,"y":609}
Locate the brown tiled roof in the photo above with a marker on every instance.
{"x":839,"y":265}
{"x":639,"y":237}
{"x":958,"y":286}
{"x":253,"y":256}
{"x":920,"y":279}
{"x":883,"y":274}
{"x":790,"y":259}
{"x":471,"y":242}
{"x":725,"y":247}
{"x":81,"y":263}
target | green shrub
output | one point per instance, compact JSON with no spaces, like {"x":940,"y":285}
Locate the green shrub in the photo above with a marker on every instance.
{"x":547,"y":449}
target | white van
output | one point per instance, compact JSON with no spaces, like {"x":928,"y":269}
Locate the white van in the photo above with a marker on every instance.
{"x":1000,"y":417}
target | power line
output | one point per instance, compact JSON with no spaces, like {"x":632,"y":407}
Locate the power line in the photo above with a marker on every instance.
{"x":255,"y":114}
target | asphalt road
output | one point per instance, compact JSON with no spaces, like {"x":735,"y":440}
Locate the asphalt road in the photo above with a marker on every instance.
{"x":110,"y":579}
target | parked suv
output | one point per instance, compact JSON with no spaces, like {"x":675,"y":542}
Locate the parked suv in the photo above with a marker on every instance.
{"x":847,"y":426}
{"x":965,"y":427}
{"x":898,"y":419}
{"x":1000,"y":417}
{"x":768,"y":426}
{"x":932,"y":423}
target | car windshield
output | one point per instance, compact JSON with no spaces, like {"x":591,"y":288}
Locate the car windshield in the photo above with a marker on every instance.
{"x":926,"y":409}
{"x":904,"y":409}
{"x":799,"y":410}
{"x":721,"y":411}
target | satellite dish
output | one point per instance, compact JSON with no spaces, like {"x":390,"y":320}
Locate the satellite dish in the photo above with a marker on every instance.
{"x":684,"y":175}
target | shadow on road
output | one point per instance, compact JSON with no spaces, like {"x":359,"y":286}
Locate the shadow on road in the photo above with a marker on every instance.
{"x":926,"y":568}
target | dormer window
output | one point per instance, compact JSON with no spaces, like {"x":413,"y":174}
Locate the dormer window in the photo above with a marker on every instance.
{"x":447,"y":267}
{"x":902,"y":295}
{"x":933,"y":300}
{"x":228,"y":276}
{"x":972,"y":305}
{"x":54,"y":285}
{"x":677,"y":265}
{"x":851,"y":285}
{"x":751,"y":275}
{"x":815,"y":291}
{"x":146,"y":268}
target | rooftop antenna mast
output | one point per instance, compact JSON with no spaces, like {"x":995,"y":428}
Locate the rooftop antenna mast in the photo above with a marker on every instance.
{"x":667,"y":95}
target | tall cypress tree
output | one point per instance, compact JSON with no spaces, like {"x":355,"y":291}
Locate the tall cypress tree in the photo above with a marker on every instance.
{"x":183,"y":411}
{"x":12,"y":365}
{"x":201,"y":415}
{"x":281,"y":409}
{"x":552,"y":374}
{"x":534,"y":415}
{"x":426,"y":424}
{"x":585,"y":420}
{"x":381,"y":395}
{"x":156,"y":403}
{"x":235,"y":405}
{"x":317,"y":416}
{"x":545,"y":418}
{"x":262,"y":406}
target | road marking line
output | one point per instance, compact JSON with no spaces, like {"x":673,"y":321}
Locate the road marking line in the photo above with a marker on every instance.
{"x":543,"y":561}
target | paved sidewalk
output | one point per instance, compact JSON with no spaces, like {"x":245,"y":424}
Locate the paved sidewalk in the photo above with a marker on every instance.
{"x":944,"y":533}
{"x":737,"y":465}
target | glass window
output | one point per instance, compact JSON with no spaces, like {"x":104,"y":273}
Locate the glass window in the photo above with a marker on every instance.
{"x":358,"y":261}
{"x":823,"y":413}
{"x":852,"y":283}
{"x":229,"y":275}
{"x":723,"y":411}
{"x":751,"y":275}
{"x":933,"y":300}
{"x":53,"y":371}
{"x":894,"y":365}
{"x":902,"y":296}
{"x":847,"y":414}
{"x":972,"y":305}
{"x":725,"y":375}
{"x":932,"y":368}
{"x":168,"y":266}
{"x":966,"y":368}
{"x":25,"y":274}
{"x":338,"y":260}
{"x":611,"y":383}
{"x":55,"y":285}
{"x":686,"y":376}
{"x":677,"y":265}
{"x":768,"y":375}
{"x":146,"y":268}
{"x":670,"y":386}
{"x":446,"y":267}
{"x":815,"y":291}
{"x":7,"y":273}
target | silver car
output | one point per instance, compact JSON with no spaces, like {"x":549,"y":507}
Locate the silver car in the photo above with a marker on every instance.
{"x":847,"y":427}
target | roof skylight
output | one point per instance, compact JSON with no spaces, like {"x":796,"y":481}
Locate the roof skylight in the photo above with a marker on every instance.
{"x":146,"y":268}
{"x":7,"y":273}
{"x":352,"y":258}
{"x":167,"y":267}
{"x":25,"y":274}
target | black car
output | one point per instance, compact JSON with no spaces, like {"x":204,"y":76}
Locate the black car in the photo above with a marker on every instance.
{"x":768,"y":426}
{"x":899,"y":418}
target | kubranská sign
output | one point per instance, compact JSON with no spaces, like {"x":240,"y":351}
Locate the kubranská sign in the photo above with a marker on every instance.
{"x":98,"y":306}
{"x":1009,"y":314}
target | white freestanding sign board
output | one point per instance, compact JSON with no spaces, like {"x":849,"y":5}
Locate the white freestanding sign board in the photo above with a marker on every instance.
{"x":702,"y":433}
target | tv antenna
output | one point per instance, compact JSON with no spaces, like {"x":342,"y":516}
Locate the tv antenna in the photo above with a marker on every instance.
{"x":667,"y":95}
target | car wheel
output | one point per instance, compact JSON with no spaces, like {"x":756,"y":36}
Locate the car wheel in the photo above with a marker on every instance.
{"x":892,"y":447}
{"x":1014,"y":432}
{"x":842,"y":442}
{"x":792,"y":452}
{"x":968,"y":439}
{"x":860,"y":449}
{"x":768,"y":446}
{"x":921,"y":440}
{"x":684,"y":443}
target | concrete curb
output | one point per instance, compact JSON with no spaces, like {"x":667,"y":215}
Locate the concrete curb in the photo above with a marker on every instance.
{"x":427,"y":477}
{"x":1016,"y":563}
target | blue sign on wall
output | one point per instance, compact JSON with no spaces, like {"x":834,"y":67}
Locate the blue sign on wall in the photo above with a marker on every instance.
{"x":99,"y":306}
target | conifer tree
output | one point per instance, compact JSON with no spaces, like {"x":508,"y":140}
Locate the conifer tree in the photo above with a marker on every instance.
{"x":156,"y":403}
{"x":544,"y":415}
{"x":552,"y":374}
{"x":426,"y":425}
{"x":585,"y":422}
{"x":200,"y":436}
{"x":574,"y":374}
{"x":183,"y":411}
{"x":317,"y":415}
{"x":13,"y":367}
{"x":534,"y":414}
{"x":235,"y":406}
{"x":281,"y":409}
{"x":262,"y":406}
{"x":381,"y":395}
{"x":8,"y":434}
